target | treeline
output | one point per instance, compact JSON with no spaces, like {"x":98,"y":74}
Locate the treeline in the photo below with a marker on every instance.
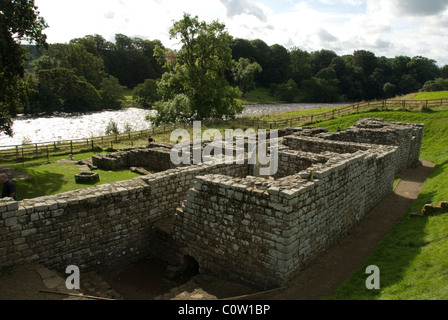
{"x":323,"y":76}
{"x":90,"y":73}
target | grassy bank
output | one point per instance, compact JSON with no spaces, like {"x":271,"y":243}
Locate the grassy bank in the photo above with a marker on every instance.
{"x":431,"y":95}
{"x":412,"y":258}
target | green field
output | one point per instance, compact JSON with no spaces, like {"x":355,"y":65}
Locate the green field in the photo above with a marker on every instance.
{"x":431,"y":95}
{"x":412,"y":258}
{"x":53,"y":177}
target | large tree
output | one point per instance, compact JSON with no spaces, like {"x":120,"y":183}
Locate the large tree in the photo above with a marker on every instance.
{"x":244,"y":74}
{"x":19,"y":21}
{"x":199,"y":76}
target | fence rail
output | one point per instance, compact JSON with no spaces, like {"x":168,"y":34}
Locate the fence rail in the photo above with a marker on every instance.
{"x":71,"y":146}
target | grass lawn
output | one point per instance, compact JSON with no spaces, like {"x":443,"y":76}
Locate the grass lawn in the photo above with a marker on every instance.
{"x":431,"y":95}
{"x":54,"y":177}
{"x":413,"y":257}
{"x":291,"y":114}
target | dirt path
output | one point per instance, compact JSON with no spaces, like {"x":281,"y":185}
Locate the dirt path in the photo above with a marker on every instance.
{"x":319,"y":280}
{"x":328,"y":272}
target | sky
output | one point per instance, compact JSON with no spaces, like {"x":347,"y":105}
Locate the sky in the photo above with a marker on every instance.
{"x":388,"y":28}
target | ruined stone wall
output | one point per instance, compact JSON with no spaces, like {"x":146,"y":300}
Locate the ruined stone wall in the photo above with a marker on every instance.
{"x":406,"y":136}
{"x":318,"y":145}
{"x":260,"y":231}
{"x":292,"y":162}
{"x":155,"y":157}
{"x":98,"y":228}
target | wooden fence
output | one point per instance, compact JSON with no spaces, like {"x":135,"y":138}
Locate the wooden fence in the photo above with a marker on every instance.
{"x":105,"y":142}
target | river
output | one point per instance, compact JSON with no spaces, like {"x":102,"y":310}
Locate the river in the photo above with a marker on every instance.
{"x":68,"y":127}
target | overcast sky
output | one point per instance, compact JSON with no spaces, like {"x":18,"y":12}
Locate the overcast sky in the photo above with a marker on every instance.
{"x":386,"y":27}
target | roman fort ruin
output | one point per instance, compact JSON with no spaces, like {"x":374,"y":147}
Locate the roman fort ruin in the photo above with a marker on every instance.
{"x":233,"y":222}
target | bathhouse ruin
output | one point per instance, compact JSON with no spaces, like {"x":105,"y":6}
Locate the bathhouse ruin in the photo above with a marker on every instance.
{"x":232,"y":222}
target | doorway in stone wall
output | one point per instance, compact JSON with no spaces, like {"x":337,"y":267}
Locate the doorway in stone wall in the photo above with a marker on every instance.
{"x":143,"y":280}
{"x":150,"y":278}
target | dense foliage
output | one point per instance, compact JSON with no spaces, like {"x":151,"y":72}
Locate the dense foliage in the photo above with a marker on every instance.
{"x":19,"y":20}
{"x":205,"y":77}
{"x":196,"y":87}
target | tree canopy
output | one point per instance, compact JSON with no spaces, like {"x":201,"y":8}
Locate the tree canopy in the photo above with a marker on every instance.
{"x":19,"y":21}
{"x":198,"y":79}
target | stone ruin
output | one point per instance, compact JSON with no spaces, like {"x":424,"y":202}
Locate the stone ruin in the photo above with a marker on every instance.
{"x":235,"y":224}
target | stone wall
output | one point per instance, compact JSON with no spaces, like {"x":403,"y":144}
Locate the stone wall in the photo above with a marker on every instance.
{"x":260,"y":231}
{"x":155,"y":157}
{"x":257,"y":230}
{"x":98,"y":228}
{"x":407,"y":137}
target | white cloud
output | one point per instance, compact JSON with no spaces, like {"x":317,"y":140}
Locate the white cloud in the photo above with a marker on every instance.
{"x":386,"y":27}
{"x":239,"y":7}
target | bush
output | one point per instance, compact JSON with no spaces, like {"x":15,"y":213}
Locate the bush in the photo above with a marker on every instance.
{"x":286,"y":91}
{"x":112,"y":128}
{"x":438,"y":84}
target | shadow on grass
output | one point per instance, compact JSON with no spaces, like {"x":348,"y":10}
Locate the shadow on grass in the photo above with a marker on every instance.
{"x":41,"y":183}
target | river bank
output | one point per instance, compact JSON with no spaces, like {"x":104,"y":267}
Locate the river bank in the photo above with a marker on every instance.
{"x":79,"y":126}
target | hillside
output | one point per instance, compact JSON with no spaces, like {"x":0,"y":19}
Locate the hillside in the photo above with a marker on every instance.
{"x":412,"y":257}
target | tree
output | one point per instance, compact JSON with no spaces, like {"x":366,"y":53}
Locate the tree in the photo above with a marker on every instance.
{"x":244,"y":74}
{"x":261,"y":52}
{"x":76,"y":57}
{"x":146,"y":93}
{"x":365,"y":60}
{"x":111,"y":93}
{"x":60,"y":89}
{"x":444,"y":72}
{"x":199,"y":74}
{"x":438,"y":84}
{"x":242,"y":48}
{"x":408,"y":84}
{"x":285,"y":92}
{"x":423,"y":69}
{"x":19,"y":21}
{"x":300,"y":65}
{"x":320,"y":90}
{"x":321,"y":59}
{"x":277,"y":69}
{"x":389,"y":90}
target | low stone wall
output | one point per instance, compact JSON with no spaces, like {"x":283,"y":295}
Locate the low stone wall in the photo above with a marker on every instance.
{"x":319,"y":145}
{"x":155,"y":157}
{"x":98,"y":228}
{"x":291,"y":161}
{"x":408,"y":137}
